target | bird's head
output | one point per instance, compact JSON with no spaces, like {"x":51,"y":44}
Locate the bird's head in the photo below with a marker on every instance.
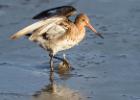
{"x":83,"y":20}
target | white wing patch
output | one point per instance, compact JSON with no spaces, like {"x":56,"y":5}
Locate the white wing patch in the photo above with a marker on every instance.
{"x":52,"y":30}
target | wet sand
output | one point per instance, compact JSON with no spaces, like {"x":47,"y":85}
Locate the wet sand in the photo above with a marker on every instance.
{"x":104,"y":69}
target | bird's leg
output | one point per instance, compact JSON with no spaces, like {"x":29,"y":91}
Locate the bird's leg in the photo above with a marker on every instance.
{"x":64,"y":66}
{"x":52,"y":83}
{"x":65,"y":61}
{"x":51,"y":62}
{"x":64,"y":56}
{"x":58,"y":58}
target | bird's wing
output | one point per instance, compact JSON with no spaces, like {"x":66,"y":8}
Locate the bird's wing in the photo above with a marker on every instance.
{"x":40,"y":24}
{"x":51,"y":31}
{"x":58,"y":11}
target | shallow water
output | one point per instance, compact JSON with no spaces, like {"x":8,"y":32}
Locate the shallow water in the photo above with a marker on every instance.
{"x":104,"y":69}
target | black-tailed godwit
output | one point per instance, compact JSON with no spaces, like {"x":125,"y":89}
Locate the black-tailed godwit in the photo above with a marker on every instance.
{"x":56,"y":32}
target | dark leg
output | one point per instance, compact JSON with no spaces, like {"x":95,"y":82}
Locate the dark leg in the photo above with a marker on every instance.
{"x":58,"y":58}
{"x":64,"y":60}
{"x":52,"y":77}
{"x":52,"y":83}
{"x":51,"y":63}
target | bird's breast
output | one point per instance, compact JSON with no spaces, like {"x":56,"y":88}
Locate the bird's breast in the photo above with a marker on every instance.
{"x":70,"y":41}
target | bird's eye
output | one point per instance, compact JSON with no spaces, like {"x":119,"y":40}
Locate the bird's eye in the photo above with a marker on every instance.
{"x":83,"y":20}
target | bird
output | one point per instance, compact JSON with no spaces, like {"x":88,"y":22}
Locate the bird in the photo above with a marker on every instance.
{"x":55,"y":32}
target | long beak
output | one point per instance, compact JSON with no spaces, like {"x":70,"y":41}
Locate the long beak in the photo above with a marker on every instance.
{"x":94,"y":30}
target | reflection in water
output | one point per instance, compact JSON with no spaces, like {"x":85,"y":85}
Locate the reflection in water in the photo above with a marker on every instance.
{"x":56,"y":92}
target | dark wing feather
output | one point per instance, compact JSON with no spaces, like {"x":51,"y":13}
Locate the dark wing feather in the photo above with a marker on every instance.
{"x":58,"y":11}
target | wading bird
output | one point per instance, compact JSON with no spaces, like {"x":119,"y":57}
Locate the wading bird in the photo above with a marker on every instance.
{"x":56,"y":32}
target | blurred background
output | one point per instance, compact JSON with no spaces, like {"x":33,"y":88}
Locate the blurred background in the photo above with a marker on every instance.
{"x":103,"y":69}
